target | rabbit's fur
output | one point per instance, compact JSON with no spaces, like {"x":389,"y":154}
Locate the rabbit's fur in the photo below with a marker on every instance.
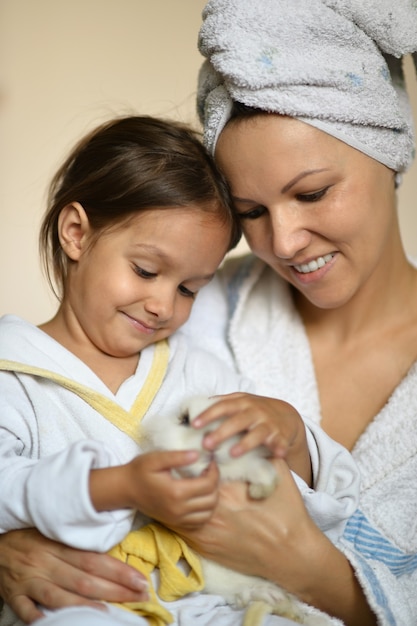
{"x":239,"y":590}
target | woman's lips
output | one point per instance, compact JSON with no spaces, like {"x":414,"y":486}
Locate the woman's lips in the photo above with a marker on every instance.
{"x":314,"y":265}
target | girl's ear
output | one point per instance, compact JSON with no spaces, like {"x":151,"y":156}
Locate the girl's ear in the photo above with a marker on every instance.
{"x":73,"y":229}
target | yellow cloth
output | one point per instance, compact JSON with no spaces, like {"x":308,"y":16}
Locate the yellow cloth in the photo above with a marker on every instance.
{"x":154,"y":546}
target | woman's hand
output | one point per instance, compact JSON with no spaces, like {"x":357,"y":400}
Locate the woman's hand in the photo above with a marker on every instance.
{"x":35,"y":570}
{"x":275,"y":527}
{"x":276,"y":539}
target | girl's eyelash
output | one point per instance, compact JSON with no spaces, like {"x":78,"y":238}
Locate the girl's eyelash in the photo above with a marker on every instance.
{"x":186,"y":292}
{"x":143,"y":273}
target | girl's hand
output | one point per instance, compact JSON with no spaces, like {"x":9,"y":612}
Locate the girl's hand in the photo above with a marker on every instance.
{"x":35,"y":570}
{"x":146,"y":484}
{"x":272,"y":423}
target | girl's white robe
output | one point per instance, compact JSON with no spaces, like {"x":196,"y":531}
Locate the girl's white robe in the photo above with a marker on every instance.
{"x":51,"y":438}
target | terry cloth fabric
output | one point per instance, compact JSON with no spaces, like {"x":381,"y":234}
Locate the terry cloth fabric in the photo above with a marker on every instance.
{"x":335,"y":64}
{"x":254,"y":323}
{"x":51,"y":436}
{"x":127,"y":421}
{"x":154,"y":546}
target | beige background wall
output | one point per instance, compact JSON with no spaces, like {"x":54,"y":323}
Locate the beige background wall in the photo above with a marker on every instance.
{"x":67,"y":65}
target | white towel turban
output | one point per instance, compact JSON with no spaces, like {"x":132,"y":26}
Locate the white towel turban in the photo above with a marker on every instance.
{"x":335,"y":64}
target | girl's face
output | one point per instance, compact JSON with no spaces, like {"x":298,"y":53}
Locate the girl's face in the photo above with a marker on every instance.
{"x":136,"y":283}
{"x":318,"y":212}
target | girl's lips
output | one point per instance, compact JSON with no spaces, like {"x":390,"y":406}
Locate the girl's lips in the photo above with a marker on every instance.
{"x":141,"y":326}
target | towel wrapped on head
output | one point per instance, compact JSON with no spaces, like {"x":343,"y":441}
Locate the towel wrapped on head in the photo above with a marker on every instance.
{"x":335,"y":64}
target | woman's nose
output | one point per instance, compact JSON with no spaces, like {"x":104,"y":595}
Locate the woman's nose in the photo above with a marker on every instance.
{"x":289,"y":234}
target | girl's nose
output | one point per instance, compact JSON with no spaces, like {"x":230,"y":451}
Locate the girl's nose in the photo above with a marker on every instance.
{"x":289,"y":234}
{"x":161,"y":304}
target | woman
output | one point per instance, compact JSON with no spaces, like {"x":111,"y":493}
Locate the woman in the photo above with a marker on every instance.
{"x":325,"y":315}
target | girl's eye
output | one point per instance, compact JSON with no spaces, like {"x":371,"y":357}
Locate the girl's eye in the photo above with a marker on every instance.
{"x":312,"y":197}
{"x":253,"y":214}
{"x":143,"y":273}
{"x":186,"y":292}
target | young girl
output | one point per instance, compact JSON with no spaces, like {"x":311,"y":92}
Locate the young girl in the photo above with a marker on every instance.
{"x":138,"y":221}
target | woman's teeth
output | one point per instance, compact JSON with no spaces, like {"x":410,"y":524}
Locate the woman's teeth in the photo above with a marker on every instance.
{"x":306,"y":268}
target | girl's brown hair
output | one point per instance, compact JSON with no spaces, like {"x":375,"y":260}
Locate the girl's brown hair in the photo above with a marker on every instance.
{"x":128,"y":165}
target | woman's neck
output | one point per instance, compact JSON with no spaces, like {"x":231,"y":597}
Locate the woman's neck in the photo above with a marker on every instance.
{"x":387,"y":298}
{"x":363,"y":350}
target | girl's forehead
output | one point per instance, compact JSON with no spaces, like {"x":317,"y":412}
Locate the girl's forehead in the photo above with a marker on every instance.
{"x":173,"y":223}
{"x":169,"y":222}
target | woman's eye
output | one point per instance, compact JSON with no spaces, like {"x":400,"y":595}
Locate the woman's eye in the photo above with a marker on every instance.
{"x":253,"y":214}
{"x":186,"y":292}
{"x":143,"y":273}
{"x":312,"y":197}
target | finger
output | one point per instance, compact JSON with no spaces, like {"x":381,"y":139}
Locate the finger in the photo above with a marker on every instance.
{"x":278,"y":445}
{"x":237,"y":424}
{"x":25,"y":609}
{"x":51,"y":596}
{"x":167,"y":460}
{"x":226,"y":405}
{"x":87,"y":591}
{"x":100,"y":576}
{"x":251,"y":440}
{"x":193,"y":487}
{"x":262,"y":435}
{"x":200,"y":512}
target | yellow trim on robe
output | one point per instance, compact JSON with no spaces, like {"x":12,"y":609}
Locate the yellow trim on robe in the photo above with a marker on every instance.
{"x":126,"y":421}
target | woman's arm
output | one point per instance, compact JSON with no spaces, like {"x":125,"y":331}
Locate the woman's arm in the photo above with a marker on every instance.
{"x":34,"y":570}
{"x":285,"y":546}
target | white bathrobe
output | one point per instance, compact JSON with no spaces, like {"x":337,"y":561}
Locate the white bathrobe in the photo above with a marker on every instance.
{"x":52,"y":435}
{"x":259,"y":332}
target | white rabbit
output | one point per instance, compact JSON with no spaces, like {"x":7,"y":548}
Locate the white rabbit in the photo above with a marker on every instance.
{"x":239,"y":590}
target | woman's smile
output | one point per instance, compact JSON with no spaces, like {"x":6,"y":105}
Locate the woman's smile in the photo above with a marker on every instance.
{"x":314,"y":265}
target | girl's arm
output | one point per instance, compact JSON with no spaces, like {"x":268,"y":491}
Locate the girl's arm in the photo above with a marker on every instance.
{"x":51,"y":494}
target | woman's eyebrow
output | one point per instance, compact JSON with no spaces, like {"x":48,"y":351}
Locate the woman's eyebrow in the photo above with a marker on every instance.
{"x":288,"y":185}
{"x":300,"y":176}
